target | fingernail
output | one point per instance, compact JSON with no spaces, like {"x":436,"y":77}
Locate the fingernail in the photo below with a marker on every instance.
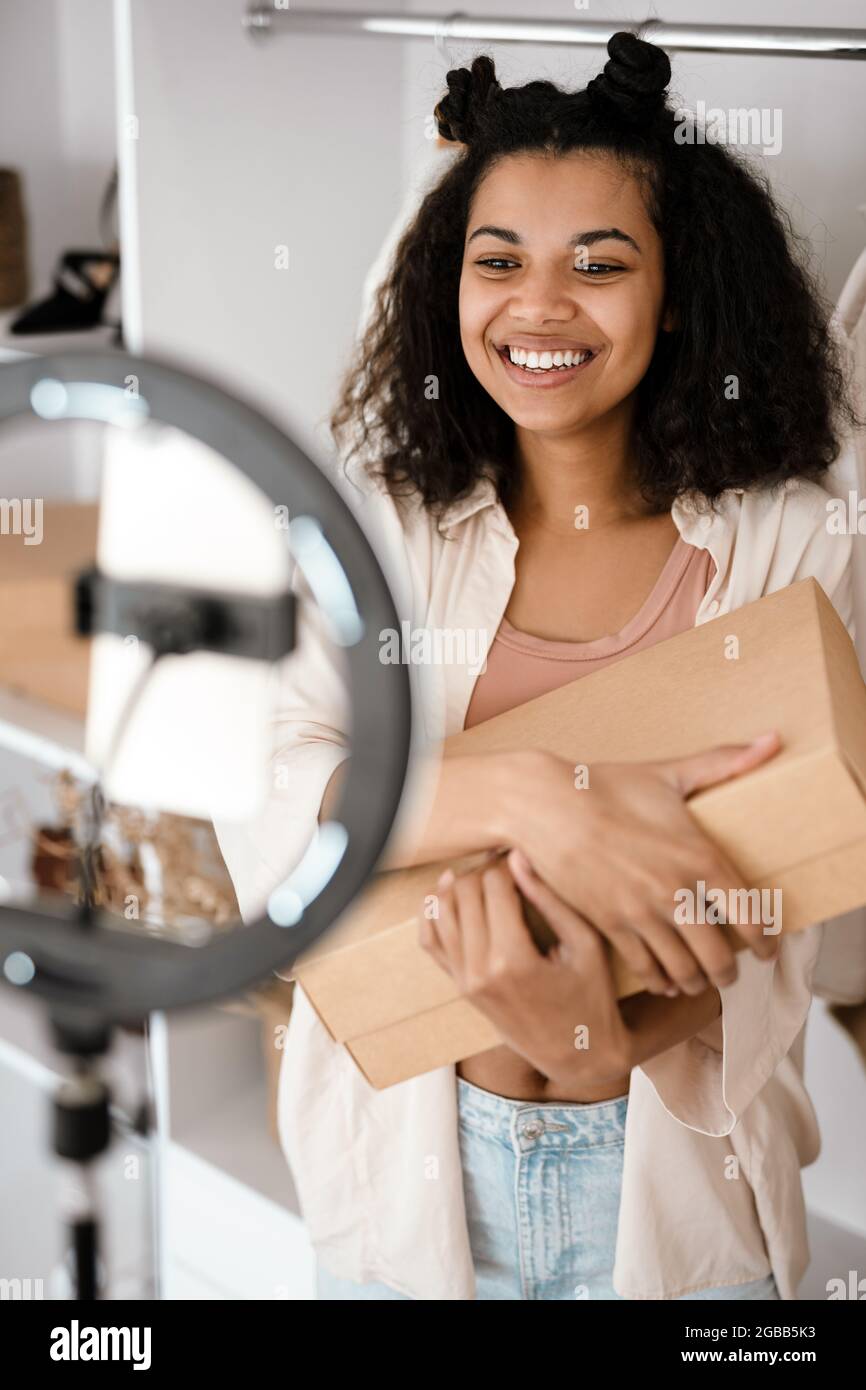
{"x":521,"y":862}
{"x":445,"y":879}
{"x":672,"y":992}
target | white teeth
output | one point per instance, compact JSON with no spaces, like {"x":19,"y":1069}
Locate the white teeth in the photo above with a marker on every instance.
{"x":546,"y":361}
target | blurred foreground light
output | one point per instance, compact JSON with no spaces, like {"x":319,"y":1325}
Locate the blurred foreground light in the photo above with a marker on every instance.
{"x":87,"y":400}
{"x":19,"y":968}
{"x":327,"y":579}
{"x":287,"y":902}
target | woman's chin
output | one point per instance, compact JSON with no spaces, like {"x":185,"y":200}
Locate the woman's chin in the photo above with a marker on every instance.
{"x":547,"y":415}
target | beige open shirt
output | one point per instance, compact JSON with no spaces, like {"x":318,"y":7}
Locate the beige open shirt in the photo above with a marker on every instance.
{"x":375,"y":1206}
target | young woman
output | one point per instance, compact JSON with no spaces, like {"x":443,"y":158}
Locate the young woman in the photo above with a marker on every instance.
{"x":593,"y":408}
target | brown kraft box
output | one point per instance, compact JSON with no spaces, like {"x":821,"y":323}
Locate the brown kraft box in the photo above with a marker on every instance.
{"x":797,"y":823}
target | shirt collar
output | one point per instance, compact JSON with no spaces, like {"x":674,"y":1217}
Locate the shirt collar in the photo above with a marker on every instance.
{"x":697,"y":526}
{"x":483,"y":494}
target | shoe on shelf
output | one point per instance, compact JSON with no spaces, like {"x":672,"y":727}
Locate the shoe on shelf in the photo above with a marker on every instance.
{"x":82,"y":281}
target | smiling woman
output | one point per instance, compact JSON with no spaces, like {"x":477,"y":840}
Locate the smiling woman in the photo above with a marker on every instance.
{"x":612,"y":306}
{"x":626,"y":438}
{"x":547,"y":352}
{"x":631,"y":238}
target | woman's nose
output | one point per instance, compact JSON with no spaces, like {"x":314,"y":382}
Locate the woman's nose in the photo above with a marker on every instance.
{"x":543,"y":295}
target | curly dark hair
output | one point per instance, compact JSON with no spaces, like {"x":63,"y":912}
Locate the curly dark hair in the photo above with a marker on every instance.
{"x":736,"y":275}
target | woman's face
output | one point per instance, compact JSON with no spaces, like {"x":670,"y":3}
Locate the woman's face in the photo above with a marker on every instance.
{"x":560,"y":255}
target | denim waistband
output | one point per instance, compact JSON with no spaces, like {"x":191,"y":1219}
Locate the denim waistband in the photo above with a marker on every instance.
{"x":567,"y":1123}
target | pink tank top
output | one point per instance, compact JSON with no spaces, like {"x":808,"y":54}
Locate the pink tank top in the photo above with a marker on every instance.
{"x":520,"y":666}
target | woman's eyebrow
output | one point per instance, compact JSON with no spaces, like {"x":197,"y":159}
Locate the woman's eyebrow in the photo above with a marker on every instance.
{"x":579,"y":238}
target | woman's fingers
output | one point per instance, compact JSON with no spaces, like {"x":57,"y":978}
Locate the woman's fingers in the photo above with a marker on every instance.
{"x":479,"y":934}
{"x":439,"y":934}
{"x":429,"y":941}
{"x":677,"y":958}
{"x":641,"y":960}
{"x":457,"y":933}
{"x":566,"y":921}
{"x":579,"y":934}
{"x":578,"y":937}
{"x":745,"y":910}
{"x":510,"y":945}
{"x":472,"y":927}
{"x":711,"y":766}
{"x":706,"y":909}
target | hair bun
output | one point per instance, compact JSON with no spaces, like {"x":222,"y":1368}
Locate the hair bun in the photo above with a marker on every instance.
{"x":635,"y":76}
{"x":458,"y":114}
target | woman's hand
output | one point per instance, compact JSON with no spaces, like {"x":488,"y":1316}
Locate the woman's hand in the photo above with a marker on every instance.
{"x":559,"y":1010}
{"x":621,"y":848}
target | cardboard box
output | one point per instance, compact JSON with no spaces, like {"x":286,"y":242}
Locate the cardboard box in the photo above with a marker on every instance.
{"x":40,"y":655}
{"x":798,"y":823}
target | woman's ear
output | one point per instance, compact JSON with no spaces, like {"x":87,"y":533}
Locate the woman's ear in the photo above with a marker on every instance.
{"x":671,"y":321}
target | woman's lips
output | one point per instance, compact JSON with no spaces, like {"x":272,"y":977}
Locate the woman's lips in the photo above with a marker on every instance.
{"x":546,"y":380}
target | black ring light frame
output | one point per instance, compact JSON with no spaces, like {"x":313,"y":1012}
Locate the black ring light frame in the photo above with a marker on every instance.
{"x":92,"y":971}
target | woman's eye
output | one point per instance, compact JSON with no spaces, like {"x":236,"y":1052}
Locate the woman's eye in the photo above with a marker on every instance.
{"x":598,"y":265}
{"x":598,"y":269}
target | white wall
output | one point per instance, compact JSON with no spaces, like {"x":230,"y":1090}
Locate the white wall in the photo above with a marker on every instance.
{"x":245,"y":145}
{"x":57,"y":120}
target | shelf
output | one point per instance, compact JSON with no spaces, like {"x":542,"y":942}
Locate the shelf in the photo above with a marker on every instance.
{"x":14,"y":348}
{"x":49,"y":736}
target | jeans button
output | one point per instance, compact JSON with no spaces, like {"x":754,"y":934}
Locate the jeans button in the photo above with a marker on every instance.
{"x":532,"y":1129}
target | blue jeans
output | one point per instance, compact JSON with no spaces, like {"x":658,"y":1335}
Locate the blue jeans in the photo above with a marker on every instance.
{"x":542,"y":1186}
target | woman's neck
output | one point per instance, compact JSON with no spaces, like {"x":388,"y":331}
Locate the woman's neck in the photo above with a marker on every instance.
{"x":593,"y":470}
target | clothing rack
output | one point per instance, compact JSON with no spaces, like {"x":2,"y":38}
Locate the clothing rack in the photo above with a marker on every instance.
{"x":264,"y":19}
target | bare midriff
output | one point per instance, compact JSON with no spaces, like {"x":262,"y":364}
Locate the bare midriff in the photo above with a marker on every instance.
{"x":506,"y":1073}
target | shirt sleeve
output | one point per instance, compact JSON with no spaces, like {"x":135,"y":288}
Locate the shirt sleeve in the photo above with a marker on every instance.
{"x":708,"y":1088}
{"x":708,"y":1081}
